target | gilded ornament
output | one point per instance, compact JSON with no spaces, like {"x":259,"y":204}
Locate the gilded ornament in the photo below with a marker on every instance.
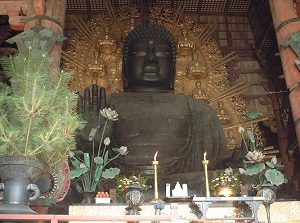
{"x":107,"y":44}
{"x":196,"y":69}
{"x":186,"y":45}
{"x":199,"y":93}
{"x":96,"y":69}
{"x":224,"y":115}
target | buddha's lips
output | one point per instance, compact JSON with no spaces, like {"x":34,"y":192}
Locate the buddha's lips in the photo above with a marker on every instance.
{"x":152,"y":76}
{"x":151,"y":68}
{"x":151,"y":72}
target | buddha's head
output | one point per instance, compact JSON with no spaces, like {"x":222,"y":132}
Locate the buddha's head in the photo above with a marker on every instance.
{"x":149,"y":56}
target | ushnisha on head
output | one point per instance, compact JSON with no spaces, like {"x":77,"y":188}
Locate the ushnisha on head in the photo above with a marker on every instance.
{"x":149,"y":57}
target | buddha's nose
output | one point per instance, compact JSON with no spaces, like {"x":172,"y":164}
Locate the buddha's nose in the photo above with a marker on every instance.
{"x":151,"y":57}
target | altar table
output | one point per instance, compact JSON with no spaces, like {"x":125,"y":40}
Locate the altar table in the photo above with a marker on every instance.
{"x":204,"y":203}
{"x":281,"y":211}
{"x":119,"y":209}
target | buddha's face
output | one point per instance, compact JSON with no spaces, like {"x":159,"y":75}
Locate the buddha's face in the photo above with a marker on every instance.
{"x":149,"y":66}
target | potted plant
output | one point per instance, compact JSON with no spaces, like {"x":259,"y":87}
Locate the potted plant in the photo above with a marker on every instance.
{"x":38,"y":124}
{"x":226,"y":182}
{"x":90,"y":169}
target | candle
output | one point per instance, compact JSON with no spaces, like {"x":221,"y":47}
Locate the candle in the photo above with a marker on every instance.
{"x":204,"y":156}
{"x":168,"y":190}
{"x":154,"y":158}
{"x":184,"y":190}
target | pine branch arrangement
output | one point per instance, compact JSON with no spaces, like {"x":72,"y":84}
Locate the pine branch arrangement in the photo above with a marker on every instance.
{"x":38,"y":117}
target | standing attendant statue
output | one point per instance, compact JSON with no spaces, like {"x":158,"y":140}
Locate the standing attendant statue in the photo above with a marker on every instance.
{"x":151,"y":117}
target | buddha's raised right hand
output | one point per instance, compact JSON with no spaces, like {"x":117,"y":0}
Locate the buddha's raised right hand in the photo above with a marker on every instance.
{"x":89,"y":107}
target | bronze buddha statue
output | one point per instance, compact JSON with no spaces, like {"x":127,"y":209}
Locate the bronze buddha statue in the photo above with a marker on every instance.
{"x":151,"y":117}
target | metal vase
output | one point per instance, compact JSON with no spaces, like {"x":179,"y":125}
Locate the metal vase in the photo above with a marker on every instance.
{"x":134,"y":198}
{"x":18,"y":176}
{"x":268,"y":192}
{"x":88,"y":197}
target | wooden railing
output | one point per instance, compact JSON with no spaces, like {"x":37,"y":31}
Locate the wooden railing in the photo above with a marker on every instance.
{"x":173,"y":217}
{"x":58,"y":218}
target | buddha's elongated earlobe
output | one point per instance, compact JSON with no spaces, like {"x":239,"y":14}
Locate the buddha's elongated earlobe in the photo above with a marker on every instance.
{"x":125,"y":84}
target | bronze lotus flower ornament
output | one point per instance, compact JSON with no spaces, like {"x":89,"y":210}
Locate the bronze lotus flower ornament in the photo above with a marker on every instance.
{"x":255,"y":166}
{"x":90,"y":169}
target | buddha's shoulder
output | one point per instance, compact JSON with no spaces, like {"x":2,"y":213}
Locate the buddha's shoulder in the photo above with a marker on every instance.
{"x":179,"y":100}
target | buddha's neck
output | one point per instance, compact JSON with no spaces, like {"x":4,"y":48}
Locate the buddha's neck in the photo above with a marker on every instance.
{"x":149,"y":89}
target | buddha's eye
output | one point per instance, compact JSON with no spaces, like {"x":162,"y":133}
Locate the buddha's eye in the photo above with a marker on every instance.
{"x":141,"y":53}
{"x":138,"y":53}
{"x":162,"y":53}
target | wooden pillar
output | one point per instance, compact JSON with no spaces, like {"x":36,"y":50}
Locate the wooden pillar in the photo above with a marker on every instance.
{"x":298,"y":7}
{"x":287,"y":23}
{"x":281,"y":129}
{"x":52,"y":13}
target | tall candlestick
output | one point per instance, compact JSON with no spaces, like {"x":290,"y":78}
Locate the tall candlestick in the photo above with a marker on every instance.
{"x":205,"y":164}
{"x":155,"y":164}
